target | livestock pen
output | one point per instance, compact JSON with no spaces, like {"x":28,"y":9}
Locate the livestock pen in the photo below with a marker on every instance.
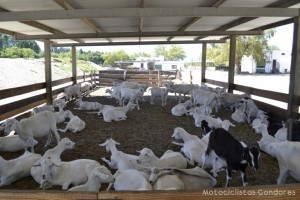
{"x":152,"y":127}
{"x":63,"y":23}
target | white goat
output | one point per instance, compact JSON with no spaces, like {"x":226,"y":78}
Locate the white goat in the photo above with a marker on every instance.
{"x":266,"y":140}
{"x":184,"y":89}
{"x":37,"y":110}
{"x":168,"y":159}
{"x":85,"y":105}
{"x":59,"y":103}
{"x":130,"y":180}
{"x":192,"y":179}
{"x":53,"y":154}
{"x":230,"y":100}
{"x":161,"y":92}
{"x":73,"y":90}
{"x":98,"y":175}
{"x":258,"y":121}
{"x":62,"y":115}
{"x":118,"y":159}
{"x":281,"y":134}
{"x":132,"y":95}
{"x":205,"y":97}
{"x":85,"y":87}
{"x":192,"y":147}
{"x":287,"y":154}
{"x":202,"y":110}
{"x":74,"y":172}
{"x":208,"y":122}
{"x":39,"y":125}
{"x":13,"y":143}
{"x":181,"y":108}
{"x":239,"y":116}
{"x":75,"y":124}
{"x":117,"y":113}
{"x":15,"y":169}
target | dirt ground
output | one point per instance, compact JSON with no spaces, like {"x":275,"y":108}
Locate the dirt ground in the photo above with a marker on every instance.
{"x":152,"y":127}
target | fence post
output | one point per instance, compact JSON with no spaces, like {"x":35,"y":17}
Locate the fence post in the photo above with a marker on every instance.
{"x":99,"y":78}
{"x":124,"y":74}
{"x":191,"y":77}
{"x":83,"y":76}
{"x":48,"y":74}
{"x":94,"y":76}
{"x":159,"y":82}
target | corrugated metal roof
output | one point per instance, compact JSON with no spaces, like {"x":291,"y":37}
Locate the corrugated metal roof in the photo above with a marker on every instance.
{"x":142,"y":20}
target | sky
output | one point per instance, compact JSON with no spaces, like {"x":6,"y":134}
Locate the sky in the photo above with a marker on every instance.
{"x":282,"y":39}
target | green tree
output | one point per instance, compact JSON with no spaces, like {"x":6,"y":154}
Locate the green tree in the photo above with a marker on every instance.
{"x":6,"y":41}
{"x":160,"y":51}
{"x":256,"y":46}
{"x":30,"y":44}
{"x":139,"y":54}
{"x":175,"y":53}
{"x":111,"y":57}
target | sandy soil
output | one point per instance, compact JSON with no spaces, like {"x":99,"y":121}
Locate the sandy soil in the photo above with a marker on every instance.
{"x":150,"y":127}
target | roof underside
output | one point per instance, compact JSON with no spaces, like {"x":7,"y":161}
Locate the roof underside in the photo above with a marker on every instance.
{"x":141,"y":21}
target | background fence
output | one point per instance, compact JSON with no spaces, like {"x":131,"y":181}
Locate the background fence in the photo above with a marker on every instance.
{"x":14,"y":101}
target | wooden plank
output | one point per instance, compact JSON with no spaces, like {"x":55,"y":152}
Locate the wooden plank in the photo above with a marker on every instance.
{"x":61,"y":81}
{"x":10,"y":92}
{"x":46,"y":195}
{"x":115,"y":76}
{"x":111,"y":71}
{"x":231,"y":63}
{"x":203,"y":67}
{"x":272,"y":192}
{"x":279,"y":112}
{"x":218,"y":83}
{"x":21,"y":103}
{"x":263,"y":93}
{"x":48,"y":71}
{"x":20,"y":110}
{"x":141,"y":76}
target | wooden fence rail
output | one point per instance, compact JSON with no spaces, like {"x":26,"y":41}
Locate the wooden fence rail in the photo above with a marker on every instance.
{"x":15,"y":107}
{"x":108,"y":77}
{"x":267,"y":192}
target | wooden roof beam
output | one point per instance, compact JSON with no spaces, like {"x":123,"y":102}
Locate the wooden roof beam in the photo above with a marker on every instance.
{"x":36,"y":25}
{"x":148,"y":12}
{"x":136,"y":34}
{"x":137,"y":43}
{"x":242,"y":20}
{"x":68,"y":6}
{"x":141,"y":23}
{"x":216,"y":3}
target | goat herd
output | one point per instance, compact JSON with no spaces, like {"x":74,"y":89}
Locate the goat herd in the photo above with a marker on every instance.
{"x":196,"y":164}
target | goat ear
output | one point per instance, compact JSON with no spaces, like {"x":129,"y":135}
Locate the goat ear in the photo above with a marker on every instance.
{"x":139,"y":151}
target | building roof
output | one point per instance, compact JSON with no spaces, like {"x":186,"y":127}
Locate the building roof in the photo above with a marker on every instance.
{"x":117,"y":22}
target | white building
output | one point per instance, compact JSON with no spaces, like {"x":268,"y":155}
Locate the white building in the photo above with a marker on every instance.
{"x":157,"y":63}
{"x":279,"y":62}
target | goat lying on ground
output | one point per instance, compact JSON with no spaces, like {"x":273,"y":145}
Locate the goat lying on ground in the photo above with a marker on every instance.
{"x":118,"y":159}
{"x":98,"y":175}
{"x":54,"y":154}
{"x":187,"y":179}
{"x":18,"y":168}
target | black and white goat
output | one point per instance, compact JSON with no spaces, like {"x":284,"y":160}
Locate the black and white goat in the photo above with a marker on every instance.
{"x":237,"y":157}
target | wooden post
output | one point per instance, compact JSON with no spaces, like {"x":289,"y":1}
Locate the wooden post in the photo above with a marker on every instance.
{"x":74,"y":67}
{"x":231,"y":63}
{"x":159,"y":81}
{"x":294,"y":90}
{"x":203,"y":62}
{"x":191,"y":77}
{"x":48,"y":73}
{"x":94,"y":77}
{"x":99,"y":78}
{"x":83,"y":76}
